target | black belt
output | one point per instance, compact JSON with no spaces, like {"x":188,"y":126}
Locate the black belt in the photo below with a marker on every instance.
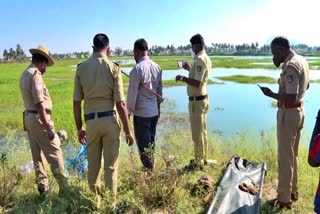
{"x":91,"y":116}
{"x":48,"y":111}
{"x":284,"y":105}
{"x":197,"y":98}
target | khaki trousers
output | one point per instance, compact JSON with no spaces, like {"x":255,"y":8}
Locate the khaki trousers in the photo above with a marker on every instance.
{"x":289,"y":125}
{"x":43,"y":149}
{"x":103,"y":136}
{"x":198,"y":120}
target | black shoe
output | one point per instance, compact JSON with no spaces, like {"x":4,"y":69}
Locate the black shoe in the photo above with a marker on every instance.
{"x":43,"y":191}
{"x":194,"y":166}
{"x":294,"y":196}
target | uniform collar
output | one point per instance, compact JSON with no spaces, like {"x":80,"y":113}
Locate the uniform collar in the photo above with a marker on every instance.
{"x":33,"y":68}
{"x":200,"y":53}
{"x":286,"y":61}
{"x":99,"y":55}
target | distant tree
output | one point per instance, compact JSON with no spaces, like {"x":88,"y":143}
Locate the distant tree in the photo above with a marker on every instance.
{"x":172,"y":50}
{"x":127,"y":52}
{"x":5,"y":55}
{"x":12,"y":54}
{"x":118,"y":51}
{"x":253,"y":47}
{"x":87,"y":54}
{"x":20,"y":55}
{"x":232,"y":48}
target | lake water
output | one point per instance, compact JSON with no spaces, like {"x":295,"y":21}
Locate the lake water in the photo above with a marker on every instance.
{"x":238,"y":107}
{"x":123,"y":62}
{"x":242,"y":107}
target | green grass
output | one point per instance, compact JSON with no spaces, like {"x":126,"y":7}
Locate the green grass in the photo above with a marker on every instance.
{"x":231,"y":62}
{"x":172,"y":83}
{"x":248,"y":79}
{"x":59,"y":79}
{"x":167,"y":191}
{"x":315,"y":81}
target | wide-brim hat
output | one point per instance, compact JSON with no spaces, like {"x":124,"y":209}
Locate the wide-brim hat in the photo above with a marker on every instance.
{"x":44,"y":52}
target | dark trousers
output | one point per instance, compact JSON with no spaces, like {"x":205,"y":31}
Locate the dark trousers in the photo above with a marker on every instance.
{"x":145,"y":132}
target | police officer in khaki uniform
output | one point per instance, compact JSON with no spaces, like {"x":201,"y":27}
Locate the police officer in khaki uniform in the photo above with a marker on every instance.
{"x":44,"y":143}
{"x":98,"y":81}
{"x":293,"y":84}
{"x":198,"y":99}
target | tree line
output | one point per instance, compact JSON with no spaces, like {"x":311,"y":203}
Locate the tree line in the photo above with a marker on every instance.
{"x":18,"y":54}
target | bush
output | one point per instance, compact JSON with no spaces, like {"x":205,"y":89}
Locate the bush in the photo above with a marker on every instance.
{"x":10,"y":180}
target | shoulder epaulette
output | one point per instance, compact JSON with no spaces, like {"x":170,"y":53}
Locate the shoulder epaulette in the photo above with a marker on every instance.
{"x":36,"y":72}
{"x":117,"y":64}
{"x":294,"y":65}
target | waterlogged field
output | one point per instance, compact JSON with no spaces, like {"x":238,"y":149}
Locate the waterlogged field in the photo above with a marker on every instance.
{"x":169,"y":189}
{"x":248,"y":79}
{"x":59,"y":80}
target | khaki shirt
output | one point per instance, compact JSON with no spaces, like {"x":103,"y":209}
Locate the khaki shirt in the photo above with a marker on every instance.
{"x":199,"y":71}
{"x":98,"y":81}
{"x":33,"y":89}
{"x":294,"y":78}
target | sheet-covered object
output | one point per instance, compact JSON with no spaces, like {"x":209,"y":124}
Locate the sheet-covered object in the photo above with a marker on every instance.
{"x":229,"y":198}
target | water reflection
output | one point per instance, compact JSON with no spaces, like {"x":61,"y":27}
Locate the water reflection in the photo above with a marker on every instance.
{"x":124,"y":61}
{"x":242,"y":107}
{"x":219,"y":72}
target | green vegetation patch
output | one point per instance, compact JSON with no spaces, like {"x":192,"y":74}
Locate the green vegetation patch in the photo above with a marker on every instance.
{"x":172,"y":83}
{"x":315,"y":81}
{"x":248,"y":79}
{"x":167,"y":189}
{"x":232,"y":62}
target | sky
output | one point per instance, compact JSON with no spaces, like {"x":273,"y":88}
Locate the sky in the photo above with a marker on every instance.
{"x":67,"y":26}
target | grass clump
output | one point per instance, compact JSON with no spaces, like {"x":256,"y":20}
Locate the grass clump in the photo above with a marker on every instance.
{"x":248,"y":79}
{"x":172,"y":83}
{"x":10,"y":180}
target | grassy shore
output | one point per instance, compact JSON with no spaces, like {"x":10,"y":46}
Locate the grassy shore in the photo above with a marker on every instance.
{"x":315,"y":81}
{"x":248,"y":79}
{"x":168,"y":190}
{"x":172,"y":83}
{"x":171,"y":62}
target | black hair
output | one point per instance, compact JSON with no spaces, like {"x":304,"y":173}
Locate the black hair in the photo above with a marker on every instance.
{"x":281,"y":41}
{"x":100,"y":41}
{"x":38,"y":58}
{"x":197,"y":40}
{"x":141,"y":44}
